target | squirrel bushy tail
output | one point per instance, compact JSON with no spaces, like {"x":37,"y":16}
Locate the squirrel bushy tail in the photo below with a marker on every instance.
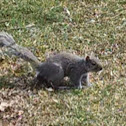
{"x":6,"y":40}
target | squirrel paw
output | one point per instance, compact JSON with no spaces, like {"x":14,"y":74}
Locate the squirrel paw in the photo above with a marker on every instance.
{"x":89,"y":85}
{"x":79,"y":87}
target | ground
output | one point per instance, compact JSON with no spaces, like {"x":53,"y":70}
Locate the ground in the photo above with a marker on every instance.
{"x":80,"y":27}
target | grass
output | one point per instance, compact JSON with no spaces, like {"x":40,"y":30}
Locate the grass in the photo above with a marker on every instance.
{"x":92,"y":26}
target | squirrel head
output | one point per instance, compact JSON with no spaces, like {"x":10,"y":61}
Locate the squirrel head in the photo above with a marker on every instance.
{"x":93,"y":64}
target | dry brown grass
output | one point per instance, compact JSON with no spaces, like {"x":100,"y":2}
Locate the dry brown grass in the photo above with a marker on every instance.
{"x":91,"y":26}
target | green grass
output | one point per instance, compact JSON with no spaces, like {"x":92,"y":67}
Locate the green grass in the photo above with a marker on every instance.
{"x":92,"y":26}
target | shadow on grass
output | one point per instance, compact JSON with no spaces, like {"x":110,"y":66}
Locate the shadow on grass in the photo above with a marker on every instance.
{"x":29,"y":82}
{"x":4,"y":83}
{"x":22,"y":82}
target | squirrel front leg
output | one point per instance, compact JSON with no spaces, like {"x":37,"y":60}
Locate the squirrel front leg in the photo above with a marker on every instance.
{"x":85,"y":80}
{"x":76,"y":80}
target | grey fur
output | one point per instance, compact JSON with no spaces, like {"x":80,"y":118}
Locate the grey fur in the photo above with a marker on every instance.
{"x":74,"y":67}
{"x":7,"y":40}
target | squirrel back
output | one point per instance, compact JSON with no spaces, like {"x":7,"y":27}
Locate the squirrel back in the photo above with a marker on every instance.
{"x":68,"y":61}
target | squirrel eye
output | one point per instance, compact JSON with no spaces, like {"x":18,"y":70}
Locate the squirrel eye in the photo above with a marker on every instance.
{"x":93,"y":63}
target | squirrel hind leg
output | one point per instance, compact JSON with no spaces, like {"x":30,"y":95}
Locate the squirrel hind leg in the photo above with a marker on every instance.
{"x":51,"y":74}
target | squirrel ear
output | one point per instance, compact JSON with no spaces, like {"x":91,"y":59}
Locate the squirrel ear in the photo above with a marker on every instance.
{"x":87,"y":58}
{"x":92,"y":55}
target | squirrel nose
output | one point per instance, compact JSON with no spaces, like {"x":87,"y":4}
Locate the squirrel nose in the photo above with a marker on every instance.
{"x":101,"y":68}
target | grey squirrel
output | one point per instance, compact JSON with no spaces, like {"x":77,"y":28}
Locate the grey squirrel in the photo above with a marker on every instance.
{"x":56,"y":67}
